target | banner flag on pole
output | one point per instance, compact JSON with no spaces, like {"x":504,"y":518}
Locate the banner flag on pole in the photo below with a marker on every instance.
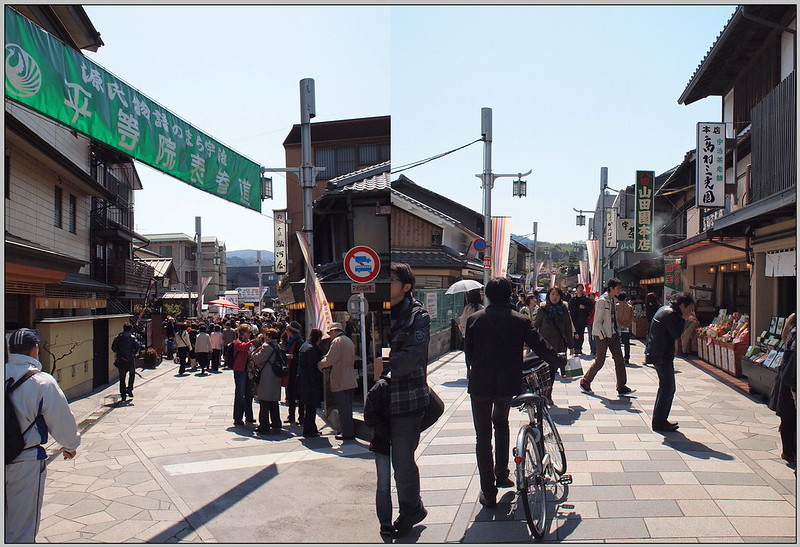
{"x":501,"y":240}
{"x":319,"y":303}
{"x":203,"y":284}
{"x":592,"y":249}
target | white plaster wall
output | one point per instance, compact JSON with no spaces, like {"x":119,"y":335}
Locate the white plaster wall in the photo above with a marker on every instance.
{"x":73,"y":145}
{"x":29,"y":207}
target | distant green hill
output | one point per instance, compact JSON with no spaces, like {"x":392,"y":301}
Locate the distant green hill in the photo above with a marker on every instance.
{"x":247,"y":257}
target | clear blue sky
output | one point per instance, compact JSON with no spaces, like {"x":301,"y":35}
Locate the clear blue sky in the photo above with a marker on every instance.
{"x":571,"y":88}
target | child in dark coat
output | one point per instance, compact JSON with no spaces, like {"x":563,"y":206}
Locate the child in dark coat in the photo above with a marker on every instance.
{"x":377,"y":415}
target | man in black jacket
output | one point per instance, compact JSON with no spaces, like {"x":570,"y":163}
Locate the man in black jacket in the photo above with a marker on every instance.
{"x":580,"y":308}
{"x":495,"y":340}
{"x":408,"y":363}
{"x":666,"y":327}
{"x":126,"y":346}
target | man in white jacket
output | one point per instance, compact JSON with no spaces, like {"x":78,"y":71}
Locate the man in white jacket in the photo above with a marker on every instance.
{"x":38,"y":400}
{"x":605,"y":331}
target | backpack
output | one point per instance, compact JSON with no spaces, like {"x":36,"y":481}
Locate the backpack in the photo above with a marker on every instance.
{"x":15,"y":437}
{"x":278,"y":361}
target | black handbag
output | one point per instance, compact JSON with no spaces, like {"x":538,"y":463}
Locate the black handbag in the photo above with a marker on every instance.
{"x":433,"y":411}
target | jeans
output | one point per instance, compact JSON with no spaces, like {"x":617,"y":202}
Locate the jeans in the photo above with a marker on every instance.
{"x":491,"y":413}
{"x":269,"y":413}
{"x":604,"y":344}
{"x":344,"y":404}
{"x":131,"y":373}
{"x":665,"y":393}
{"x":242,"y":397}
{"x":183,"y":353}
{"x":383,"y":489}
{"x":405,"y":431}
{"x":625,"y":340}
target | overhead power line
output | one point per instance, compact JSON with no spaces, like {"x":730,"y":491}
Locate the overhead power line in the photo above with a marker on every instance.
{"x":411,"y":165}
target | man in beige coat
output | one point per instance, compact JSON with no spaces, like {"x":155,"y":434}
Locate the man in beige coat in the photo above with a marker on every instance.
{"x":340,"y":359}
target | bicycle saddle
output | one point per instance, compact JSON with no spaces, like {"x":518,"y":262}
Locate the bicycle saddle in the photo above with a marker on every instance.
{"x":526,"y":398}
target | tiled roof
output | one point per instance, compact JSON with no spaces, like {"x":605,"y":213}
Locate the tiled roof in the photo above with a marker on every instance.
{"x":427,"y":257}
{"x":396,"y":195}
{"x":369,"y":179}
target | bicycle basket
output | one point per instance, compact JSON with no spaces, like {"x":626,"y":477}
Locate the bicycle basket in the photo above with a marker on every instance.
{"x":539,"y":379}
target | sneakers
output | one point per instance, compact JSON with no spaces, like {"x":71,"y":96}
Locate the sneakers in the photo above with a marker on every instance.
{"x":505,"y":482}
{"x":665,"y":427}
{"x":403,"y":525}
{"x":490,"y":502}
{"x":585,"y":386}
{"x":625,"y":391}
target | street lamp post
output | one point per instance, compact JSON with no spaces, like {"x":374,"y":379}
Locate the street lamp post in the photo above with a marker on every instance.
{"x":488,"y":178}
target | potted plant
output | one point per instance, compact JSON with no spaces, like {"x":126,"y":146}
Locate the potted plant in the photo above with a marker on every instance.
{"x":150,"y":357}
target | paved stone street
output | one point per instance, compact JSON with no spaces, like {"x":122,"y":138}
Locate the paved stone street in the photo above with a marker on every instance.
{"x":171,"y":466}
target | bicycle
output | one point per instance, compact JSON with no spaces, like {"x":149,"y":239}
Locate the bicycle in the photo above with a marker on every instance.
{"x":539,"y":452}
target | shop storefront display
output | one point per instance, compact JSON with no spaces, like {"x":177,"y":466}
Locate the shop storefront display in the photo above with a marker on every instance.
{"x":639,"y":324}
{"x":762,"y":358}
{"x":724,"y":342}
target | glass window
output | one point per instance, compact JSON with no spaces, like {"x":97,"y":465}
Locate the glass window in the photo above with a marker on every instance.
{"x":165,"y":251}
{"x":57,"y":212}
{"x":73,"y":214}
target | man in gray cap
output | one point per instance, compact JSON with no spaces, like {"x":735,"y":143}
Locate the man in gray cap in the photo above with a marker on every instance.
{"x":41,"y":408}
{"x":340,"y":359}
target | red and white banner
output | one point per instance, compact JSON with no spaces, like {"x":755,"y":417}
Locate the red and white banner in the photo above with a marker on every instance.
{"x":203,"y":284}
{"x":592,"y":249}
{"x":321,"y":312}
{"x":501,"y":244}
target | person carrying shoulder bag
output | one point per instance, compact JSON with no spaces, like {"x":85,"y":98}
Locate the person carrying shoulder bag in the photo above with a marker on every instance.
{"x":553,"y":323}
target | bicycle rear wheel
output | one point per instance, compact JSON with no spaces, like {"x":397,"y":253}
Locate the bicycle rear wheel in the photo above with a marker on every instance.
{"x":553,"y":444}
{"x":533,"y":490}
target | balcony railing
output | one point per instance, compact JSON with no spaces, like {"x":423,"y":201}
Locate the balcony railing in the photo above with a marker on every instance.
{"x":774,"y":141}
{"x":126,"y":272}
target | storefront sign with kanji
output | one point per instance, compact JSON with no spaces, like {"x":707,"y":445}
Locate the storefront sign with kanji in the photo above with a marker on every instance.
{"x":279,"y":225}
{"x":643,"y":242}
{"x":710,"y":189}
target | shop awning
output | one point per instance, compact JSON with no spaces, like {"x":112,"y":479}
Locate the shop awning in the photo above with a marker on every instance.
{"x":763,"y":212}
{"x":704,"y":241}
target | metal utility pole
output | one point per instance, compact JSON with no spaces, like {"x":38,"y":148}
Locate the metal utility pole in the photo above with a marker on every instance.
{"x":488,"y":179}
{"x":260,"y":284}
{"x":535,"y":256}
{"x":603,"y":186}
{"x":199,"y":262}
{"x":488,"y":183}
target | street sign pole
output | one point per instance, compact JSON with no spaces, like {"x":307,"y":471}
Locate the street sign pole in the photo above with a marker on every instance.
{"x":362,"y":308}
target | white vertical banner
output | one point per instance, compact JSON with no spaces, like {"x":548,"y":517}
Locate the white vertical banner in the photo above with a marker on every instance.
{"x":320,"y":313}
{"x":710,"y":189}
{"x":280,"y":226}
{"x":203,"y":284}
{"x":611,"y":227}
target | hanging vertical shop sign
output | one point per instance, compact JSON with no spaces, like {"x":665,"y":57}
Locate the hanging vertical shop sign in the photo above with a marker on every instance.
{"x":611,"y":227}
{"x":672,"y":277}
{"x":643,"y":241}
{"x":47,"y":76}
{"x":280,"y":225}
{"x":710,"y":189}
{"x":626,"y":231}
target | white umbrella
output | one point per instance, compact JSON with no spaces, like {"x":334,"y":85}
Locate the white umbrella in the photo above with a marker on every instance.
{"x":464,"y":285}
{"x":268,"y":310}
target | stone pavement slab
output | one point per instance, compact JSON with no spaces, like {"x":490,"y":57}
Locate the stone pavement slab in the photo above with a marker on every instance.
{"x":171,"y":467}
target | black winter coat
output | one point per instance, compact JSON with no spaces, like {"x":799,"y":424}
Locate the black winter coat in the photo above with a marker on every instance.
{"x":308,"y":389}
{"x":496,"y":337}
{"x":666,"y":327}
{"x":377,"y":415}
{"x":580,"y":317}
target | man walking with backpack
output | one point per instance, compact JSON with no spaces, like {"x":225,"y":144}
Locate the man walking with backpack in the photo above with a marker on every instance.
{"x":126,"y":346}
{"x":35,"y":401}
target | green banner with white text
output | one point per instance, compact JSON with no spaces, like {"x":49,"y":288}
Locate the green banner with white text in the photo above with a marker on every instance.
{"x":47,"y":76}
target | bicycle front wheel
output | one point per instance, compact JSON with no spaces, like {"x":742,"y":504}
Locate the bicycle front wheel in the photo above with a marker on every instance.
{"x":533,"y":490}
{"x":553,"y":444}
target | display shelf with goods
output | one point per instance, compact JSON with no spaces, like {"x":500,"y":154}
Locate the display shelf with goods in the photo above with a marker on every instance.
{"x":725,"y":341}
{"x":761,"y":360}
{"x":639,"y":324}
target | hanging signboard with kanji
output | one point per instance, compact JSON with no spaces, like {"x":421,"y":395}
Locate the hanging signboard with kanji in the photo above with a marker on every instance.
{"x":611,"y":227}
{"x":626,"y":229}
{"x":280,"y":226}
{"x":47,"y":76}
{"x":672,"y":277}
{"x":643,"y":242}
{"x":710,"y":188}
